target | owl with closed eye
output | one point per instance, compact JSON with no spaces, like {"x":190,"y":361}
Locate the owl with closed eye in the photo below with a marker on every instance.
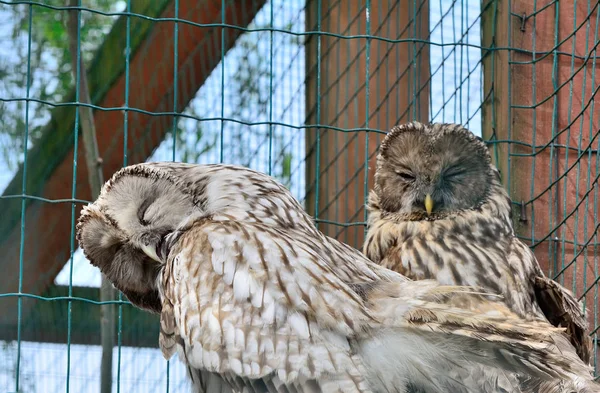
{"x":254,"y":299}
{"x":438,"y":211}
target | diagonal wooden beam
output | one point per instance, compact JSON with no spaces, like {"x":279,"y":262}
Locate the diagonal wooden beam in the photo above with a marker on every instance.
{"x":50,"y":166}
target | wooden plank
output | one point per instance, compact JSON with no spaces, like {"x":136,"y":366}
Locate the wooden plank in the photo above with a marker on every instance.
{"x":495,"y":108}
{"x":47,"y":226}
{"x":550,"y":106}
{"x":397,"y":92}
{"x":48,"y":321}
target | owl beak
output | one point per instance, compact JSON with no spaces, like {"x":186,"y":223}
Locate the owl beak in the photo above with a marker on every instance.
{"x":150,"y":251}
{"x":428,"y":204}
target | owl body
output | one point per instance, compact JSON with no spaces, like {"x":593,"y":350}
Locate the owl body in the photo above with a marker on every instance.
{"x":462,"y":249}
{"x":464,"y":235}
{"x":254,"y":298}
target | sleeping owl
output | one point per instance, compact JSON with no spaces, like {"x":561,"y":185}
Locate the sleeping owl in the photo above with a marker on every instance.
{"x":254,"y":298}
{"x":438,"y":211}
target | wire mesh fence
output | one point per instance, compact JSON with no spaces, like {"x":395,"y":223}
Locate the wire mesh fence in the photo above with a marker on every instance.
{"x":541,"y":117}
{"x":302,"y":90}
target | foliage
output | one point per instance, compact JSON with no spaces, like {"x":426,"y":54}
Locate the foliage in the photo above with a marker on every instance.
{"x":252,"y":83}
{"x":51,"y":78}
{"x":48,"y":66}
{"x":49,"y":63}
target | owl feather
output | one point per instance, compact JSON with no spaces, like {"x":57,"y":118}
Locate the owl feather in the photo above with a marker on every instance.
{"x":254,"y":298}
{"x":438,"y":211}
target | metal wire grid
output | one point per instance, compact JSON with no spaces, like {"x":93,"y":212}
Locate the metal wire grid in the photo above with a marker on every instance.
{"x":367,"y":84}
{"x":548,"y":137}
{"x":227,"y":129}
{"x":273,"y":132}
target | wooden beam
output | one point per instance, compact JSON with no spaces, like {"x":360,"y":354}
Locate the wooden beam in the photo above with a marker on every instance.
{"x":50,"y":165}
{"x":397,"y":92}
{"x":48,"y":320}
{"x":540,"y":95}
{"x":495,"y":109}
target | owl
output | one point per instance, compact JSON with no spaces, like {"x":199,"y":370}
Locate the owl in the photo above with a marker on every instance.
{"x":438,"y":211}
{"x":254,"y":298}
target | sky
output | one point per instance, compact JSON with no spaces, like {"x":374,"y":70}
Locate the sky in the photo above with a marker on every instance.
{"x":456,"y":94}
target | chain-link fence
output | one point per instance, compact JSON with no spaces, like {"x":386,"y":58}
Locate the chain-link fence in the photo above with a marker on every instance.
{"x":301,"y":89}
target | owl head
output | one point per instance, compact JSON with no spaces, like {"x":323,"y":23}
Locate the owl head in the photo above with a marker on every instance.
{"x":431,"y":171}
{"x":126,"y":230}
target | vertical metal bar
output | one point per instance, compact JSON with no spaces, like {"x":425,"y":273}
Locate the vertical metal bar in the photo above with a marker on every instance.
{"x":578,"y":161}
{"x":462,"y":49}
{"x":596,"y":202}
{"x":578,"y":171}
{"x":509,"y":114}
{"x":175,"y":76}
{"x":533,"y":125}
{"x":222,"y":134}
{"x":175,"y":117}
{"x":318,"y":115}
{"x":553,"y":264}
{"x":271,"y":90}
{"x":125,"y":163}
{"x":74,"y":193}
{"x":442,"y":65}
{"x":454,"y":56}
{"x":367,"y":100}
{"x":493,"y":93}
{"x":23,"y":205}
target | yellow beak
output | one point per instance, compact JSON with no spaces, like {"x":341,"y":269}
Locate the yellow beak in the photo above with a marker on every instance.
{"x":428,"y":204}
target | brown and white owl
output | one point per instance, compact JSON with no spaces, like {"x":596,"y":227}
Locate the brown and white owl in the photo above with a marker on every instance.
{"x":438,"y":211}
{"x":255,"y":299}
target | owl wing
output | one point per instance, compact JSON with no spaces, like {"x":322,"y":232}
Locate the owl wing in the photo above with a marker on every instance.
{"x":562,"y":309}
{"x":241,"y":302}
{"x":265,"y":309}
{"x":557,"y":303}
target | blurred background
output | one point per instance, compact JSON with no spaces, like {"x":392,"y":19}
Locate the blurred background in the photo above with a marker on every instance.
{"x":301,"y":89}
